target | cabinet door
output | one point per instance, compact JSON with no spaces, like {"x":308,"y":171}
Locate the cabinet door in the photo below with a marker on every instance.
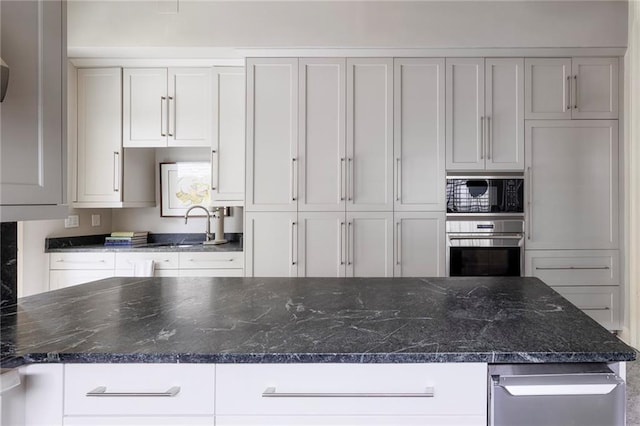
{"x":67,"y":278}
{"x":504,"y":108}
{"x":572,"y":184}
{"x":272,"y":134}
{"x":602,"y":303}
{"x":145,"y":107}
{"x":189,"y":96}
{"x":595,"y":87}
{"x":33,"y":111}
{"x":420,"y":248}
{"x":322,"y":134}
{"x":99,"y":153}
{"x":227,"y":149}
{"x":419,"y":141}
{"x":138,"y":421}
{"x":324,"y":420}
{"x":271,"y":244}
{"x":465,"y":113}
{"x":547,"y":88}
{"x":370,"y":134}
{"x":322,"y":244}
{"x":369,"y":244}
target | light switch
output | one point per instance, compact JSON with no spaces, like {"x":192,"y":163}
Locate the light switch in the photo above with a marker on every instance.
{"x":72,"y":221}
{"x":95,"y":220}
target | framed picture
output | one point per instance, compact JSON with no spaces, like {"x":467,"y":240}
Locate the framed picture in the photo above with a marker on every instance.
{"x":183,"y":185}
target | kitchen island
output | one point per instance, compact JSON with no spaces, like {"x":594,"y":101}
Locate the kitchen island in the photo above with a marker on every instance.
{"x":238,"y":328}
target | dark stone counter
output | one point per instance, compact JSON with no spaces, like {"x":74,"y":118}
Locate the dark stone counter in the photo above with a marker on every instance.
{"x":295,"y":320}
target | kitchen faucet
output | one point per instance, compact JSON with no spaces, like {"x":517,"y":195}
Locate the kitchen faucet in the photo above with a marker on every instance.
{"x":209,"y":237}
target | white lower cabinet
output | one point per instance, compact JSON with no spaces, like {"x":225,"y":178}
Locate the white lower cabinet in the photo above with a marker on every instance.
{"x":270,"y":239}
{"x":139,"y":421}
{"x":602,"y":303}
{"x":251,"y":394}
{"x":322,"y":244}
{"x":420,"y":249}
{"x":369,"y":244}
{"x":68,"y":269}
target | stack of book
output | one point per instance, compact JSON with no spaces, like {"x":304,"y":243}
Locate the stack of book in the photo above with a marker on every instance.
{"x":126,"y":238}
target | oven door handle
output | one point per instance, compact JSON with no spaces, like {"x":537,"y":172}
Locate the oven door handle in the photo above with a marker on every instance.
{"x":485,"y":237}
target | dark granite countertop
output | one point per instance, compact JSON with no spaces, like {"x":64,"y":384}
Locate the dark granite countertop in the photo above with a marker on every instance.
{"x":156,"y":243}
{"x":285,"y":320}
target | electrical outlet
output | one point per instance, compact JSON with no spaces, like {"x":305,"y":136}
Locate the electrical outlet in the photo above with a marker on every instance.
{"x":72,"y":221}
{"x":95,"y":220}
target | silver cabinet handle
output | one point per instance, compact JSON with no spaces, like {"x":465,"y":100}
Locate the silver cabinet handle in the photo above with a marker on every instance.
{"x":210,"y":260}
{"x":341,"y":243}
{"x":485,"y":237}
{"x":568,"y":92}
{"x":80,"y":261}
{"x":570,"y":268}
{"x":603,"y":308}
{"x":293,"y":245}
{"x":482,"y":137}
{"x":271,"y":393}
{"x":529,"y":218}
{"x":214,"y":169}
{"x":342,"y":186}
{"x":489,"y":138}
{"x":398,"y":179}
{"x":170,"y":131}
{"x":293,"y":179}
{"x":350,"y":177}
{"x":101,"y":391}
{"x":163,"y":100}
{"x":575,"y":91}
{"x":398,"y":242}
{"x":116,"y":171}
{"x":349,"y":242}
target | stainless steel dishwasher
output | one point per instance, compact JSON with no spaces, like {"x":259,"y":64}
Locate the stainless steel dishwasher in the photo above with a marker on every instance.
{"x":555,"y":395}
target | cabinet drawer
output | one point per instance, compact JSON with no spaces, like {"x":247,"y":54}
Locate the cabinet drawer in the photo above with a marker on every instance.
{"x":350,"y":421}
{"x":211,"y":273}
{"x":602,"y":303}
{"x":569,"y":267}
{"x":156,"y":273}
{"x":211,"y":260}
{"x":270,"y":389}
{"x":81,"y":260}
{"x":195,"y":383}
{"x":66,"y":278}
{"x":160,"y":260}
{"x":139,"y":421}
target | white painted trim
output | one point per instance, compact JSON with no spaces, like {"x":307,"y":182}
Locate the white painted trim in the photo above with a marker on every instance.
{"x":432,"y":52}
{"x":193,"y":53}
{"x":153,"y":63}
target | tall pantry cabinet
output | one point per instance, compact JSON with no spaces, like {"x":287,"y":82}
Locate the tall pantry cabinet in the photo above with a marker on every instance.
{"x":323,"y":174}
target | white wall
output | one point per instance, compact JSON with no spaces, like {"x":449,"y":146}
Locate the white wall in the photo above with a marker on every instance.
{"x":426,"y":24}
{"x":33,"y":262}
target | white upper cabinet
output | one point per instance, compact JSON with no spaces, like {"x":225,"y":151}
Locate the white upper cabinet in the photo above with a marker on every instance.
{"x":465,"y":113}
{"x":322,"y":149}
{"x":420,"y":248}
{"x":370,"y":134}
{"x":106,"y":175}
{"x":227,"y":149}
{"x":322,"y":244}
{"x":485,"y":120}
{"x":504,"y":109}
{"x":272,"y":134}
{"x":419,"y":134}
{"x":572,"y":169}
{"x":271,"y":244}
{"x":167,"y":107}
{"x":564,"y":88}
{"x":33,"y":112}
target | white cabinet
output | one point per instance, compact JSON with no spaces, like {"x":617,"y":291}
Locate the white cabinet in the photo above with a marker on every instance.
{"x":272,"y":134}
{"x":420,"y":248}
{"x":370,"y":134}
{"x":602,"y":303}
{"x":484,"y":114}
{"x":572,"y":174}
{"x":369,"y":244}
{"x":322,"y":146}
{"x":33,"y":113}
{"x":439,"y":390}
{"x":102,"y":167}
{"x":449,"y":420}
{"x":419,"y":138}
{"x":564,"y":88}
{"x":322,"y":244}
{"x":271,"y":244}
{"x":184,"y":394}
{"x":227,"y":150}
{"x":67,"y":269}
{"x":167,"y":107}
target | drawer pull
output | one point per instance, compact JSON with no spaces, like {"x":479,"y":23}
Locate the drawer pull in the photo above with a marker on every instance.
{"x":80,"y":261}
{"x":102,"y":392}
{"x":210,"y":260}
{"x":271,"y":393}
{"x":131,"y":262}
{"x":569,"y":268}
{"x":604,"y":308}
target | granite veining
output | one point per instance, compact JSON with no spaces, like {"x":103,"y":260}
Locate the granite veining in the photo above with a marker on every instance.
{"x":299,"y":320}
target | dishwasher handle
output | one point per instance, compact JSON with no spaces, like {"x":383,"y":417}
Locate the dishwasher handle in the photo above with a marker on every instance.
{"x":589,"y":384}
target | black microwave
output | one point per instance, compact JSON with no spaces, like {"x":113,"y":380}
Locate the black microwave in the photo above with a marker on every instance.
{"x":479,"y":195}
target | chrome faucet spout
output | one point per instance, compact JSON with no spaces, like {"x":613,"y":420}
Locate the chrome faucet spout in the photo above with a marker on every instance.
{"x":208,"y":235}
